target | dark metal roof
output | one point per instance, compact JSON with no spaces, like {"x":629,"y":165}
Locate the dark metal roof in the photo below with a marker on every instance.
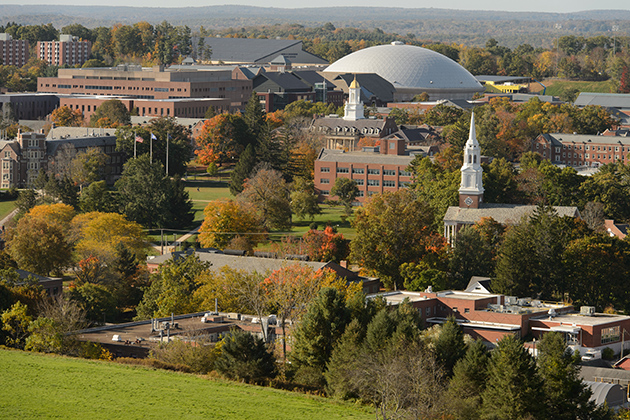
{"x":611,"y":100}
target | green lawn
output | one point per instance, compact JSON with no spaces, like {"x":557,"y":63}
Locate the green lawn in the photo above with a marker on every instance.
{"x":558,"y":88}
{"x":37,"y":386}
{"x":6,"y":207}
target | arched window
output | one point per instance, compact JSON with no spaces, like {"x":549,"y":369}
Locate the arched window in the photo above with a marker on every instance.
{"x":475,"y":159}
{"x":469,"y":159}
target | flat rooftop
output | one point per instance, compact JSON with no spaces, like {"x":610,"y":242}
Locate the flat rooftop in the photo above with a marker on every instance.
{"x":396,"y":297}
{"x":578,"y":319}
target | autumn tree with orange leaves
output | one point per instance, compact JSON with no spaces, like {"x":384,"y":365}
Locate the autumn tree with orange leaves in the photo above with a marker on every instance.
{"x":222,"y":139}
{"x":393,"y":228}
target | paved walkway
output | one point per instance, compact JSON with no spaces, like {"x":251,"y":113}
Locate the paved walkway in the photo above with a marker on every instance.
{"x":181,"y":239}
{"x":8,"y":218}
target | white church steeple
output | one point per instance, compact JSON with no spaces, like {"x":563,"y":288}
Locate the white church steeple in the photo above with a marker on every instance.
{"x":354,"y":107}
{"x":471,"y":187}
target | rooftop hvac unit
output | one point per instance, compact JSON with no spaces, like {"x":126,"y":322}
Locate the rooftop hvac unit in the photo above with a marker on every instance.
{"x":511,"y":300}
{"x":587,"y":310}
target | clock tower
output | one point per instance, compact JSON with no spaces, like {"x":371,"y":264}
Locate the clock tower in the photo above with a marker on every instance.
{"x":471,"y":187}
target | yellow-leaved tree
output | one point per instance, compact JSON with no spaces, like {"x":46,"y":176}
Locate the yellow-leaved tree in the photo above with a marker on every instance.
{"x":227,"y":220}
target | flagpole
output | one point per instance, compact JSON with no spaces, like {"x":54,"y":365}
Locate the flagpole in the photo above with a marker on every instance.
{"x":151,"y":148}
{"x":167,"y":137}
{"x":134,"y":144}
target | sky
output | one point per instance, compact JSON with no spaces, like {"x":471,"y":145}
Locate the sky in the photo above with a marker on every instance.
{"x":531,"y":5}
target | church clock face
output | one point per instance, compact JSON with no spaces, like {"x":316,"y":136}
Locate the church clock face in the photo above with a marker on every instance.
{"x":468,"y":201}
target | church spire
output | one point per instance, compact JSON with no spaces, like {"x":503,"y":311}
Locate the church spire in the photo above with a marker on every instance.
{"x":471,"y":187}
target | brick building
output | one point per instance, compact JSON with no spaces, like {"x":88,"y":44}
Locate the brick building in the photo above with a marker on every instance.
{"x":375,"y":170}
{"x":27,"y":106}
{"x":176,"y":82}
{"x":69,"y":50}
{"x":490,"y":317}
{"x":23,"y":158}
{"x":13,"y":52}
{"x":180,"y":107}
{"x":582,"y":149}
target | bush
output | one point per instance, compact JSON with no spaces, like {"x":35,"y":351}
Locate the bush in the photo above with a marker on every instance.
{"x":245,"y":357}
{"x":313,"y":226}
{"x":196,"y":355}
{"x":608,"y":353}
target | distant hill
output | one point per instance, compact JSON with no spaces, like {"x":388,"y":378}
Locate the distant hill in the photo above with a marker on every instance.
{"x":444,"y":25}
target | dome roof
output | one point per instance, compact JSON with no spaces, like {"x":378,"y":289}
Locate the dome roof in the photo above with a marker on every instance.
{"x":408,"y":66}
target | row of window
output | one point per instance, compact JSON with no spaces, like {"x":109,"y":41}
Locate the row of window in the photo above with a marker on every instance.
{"x":586,"y":147}
{"x":371,"y":183}
{"x":361,"y":171}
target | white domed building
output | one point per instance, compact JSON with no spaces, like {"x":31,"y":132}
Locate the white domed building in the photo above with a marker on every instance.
{"x":412,"y":70}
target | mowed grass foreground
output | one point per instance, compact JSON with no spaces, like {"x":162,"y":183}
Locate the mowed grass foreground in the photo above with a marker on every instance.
{"x":37,"y":386}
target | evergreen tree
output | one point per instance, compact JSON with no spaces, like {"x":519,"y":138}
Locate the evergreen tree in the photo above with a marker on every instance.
{"x":242,"y":170}
{"x":254,"y":117}
{"x":245,"y":357}
{"x":450,"y":346}
{"x":341,"y":368}
{"x":473,"y":256}
{"x":468,"y":382}
{"x":566,"y":396}
{"x":180,"y":213}
{"x":318,"y":331}
{"x":513,"y":389}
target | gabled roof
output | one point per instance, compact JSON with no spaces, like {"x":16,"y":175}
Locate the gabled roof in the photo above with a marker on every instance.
{"x":612,"y":100}
{"x":479,"y":284}
{"x":413,"y":135}
{"x":247,"y":50}
{"x":311,"y":77}
{"x":506,"y":214}
{"x":371,"y":85}
{"x":287,"y":81}
{"x":219,"y":260}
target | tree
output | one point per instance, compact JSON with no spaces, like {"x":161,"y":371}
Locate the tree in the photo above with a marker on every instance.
{"x":40,"y":243}
{"x":267,"y":192}
{"x":342,"y":365}
{"x":317,"y":333}
{"x":347,"y":191}
{"x":15,"y":322}
{"x":97,"y":197}
{"x":222,"y":139}
{"x":254,"y":117}
{"x":88,"y":167}
{"x":100,"y":234}
{"x":513,"y":389}
{"x":468,"y":382}
{"x":65,"y":117}
{"x":225,"y":220}
{"x":325,"y":245}
{"x":624,"y":82}
{"x":473,"y":256}
{"x":111,"y":113}
{"x":290,"y":289}
{"x":97,"y":301}
{"x":566,"y":395}
{"x":150,"y":198}
{"x":242,"y":170}
{"x":303,"y":199}
{"x":172,"y":288}
{"x":391,"y":229}
{"x":450,"y":346}
{"x":245,"y":357}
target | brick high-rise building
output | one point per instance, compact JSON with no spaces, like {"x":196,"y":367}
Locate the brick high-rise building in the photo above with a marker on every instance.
{"x":68,"y":50}
{"x":13,"y":52}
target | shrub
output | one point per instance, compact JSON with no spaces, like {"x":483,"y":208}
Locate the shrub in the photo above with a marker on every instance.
{"x":608,"y":353}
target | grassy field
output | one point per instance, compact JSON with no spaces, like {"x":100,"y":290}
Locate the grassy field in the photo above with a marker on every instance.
{"x":37,"y":386}
{"x":6,"y":207}
{"x":559,"y":87}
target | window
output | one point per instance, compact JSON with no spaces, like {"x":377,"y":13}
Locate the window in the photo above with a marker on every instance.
{"x":361,"y":193}
{"x":610,"y":335}
{"x":373,"y":182}
{"x":392,"y":145}
{"x":389,"y":172}
{"x":358,"y":171}
{"x":466,"y":310}
{"x":343,"y":170}
{"x":7,"y":154}
{"x":374,"y":171}
{"x":404,"y":173}
{"x":428,"y":311}
{"x":389,"y":183}
{"x":324,"y":181}
{"x":324,"y":192}
{"x":359,"y":182}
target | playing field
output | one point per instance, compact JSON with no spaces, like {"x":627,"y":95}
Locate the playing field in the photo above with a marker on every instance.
{"x":36,"y":386}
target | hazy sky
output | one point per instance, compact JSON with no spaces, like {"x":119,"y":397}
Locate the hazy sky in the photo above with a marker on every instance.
{"x":531,"y":5}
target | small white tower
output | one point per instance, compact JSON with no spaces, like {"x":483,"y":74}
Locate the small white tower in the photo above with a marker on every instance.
{"x":354,"y":107}
{"x":471,"y":187}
